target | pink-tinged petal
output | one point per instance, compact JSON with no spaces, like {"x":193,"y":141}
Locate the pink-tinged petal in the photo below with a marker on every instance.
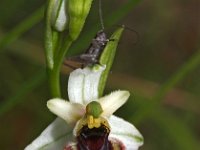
{"x":83,"y":84}
{"x":55,"y":136}
{"x":70,"y":112}
{"x":125,"y":132}
{"x":113,"y":101}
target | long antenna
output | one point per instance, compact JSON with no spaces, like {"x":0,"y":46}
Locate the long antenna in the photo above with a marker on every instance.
{"x":101,"y":15}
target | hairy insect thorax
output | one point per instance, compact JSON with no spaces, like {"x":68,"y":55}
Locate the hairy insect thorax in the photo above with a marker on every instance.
{"x":92,"y":54}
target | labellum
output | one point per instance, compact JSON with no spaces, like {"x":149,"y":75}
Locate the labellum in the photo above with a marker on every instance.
{"x":92,"y":131}
{"x":95,"y":139}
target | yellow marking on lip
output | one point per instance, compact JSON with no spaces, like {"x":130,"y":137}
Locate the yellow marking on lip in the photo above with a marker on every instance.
{"x":90,"y":121}
{"x":93,"y":122}
{"x":97,"y":123}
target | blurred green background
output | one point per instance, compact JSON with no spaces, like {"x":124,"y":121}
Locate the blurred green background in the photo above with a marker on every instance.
{"x":160,"y":67}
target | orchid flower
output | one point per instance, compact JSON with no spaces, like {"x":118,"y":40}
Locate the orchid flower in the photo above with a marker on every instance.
{"x":85,"y":109}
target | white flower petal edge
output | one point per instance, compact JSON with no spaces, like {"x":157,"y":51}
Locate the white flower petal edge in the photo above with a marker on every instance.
{"x":70,"y":112}
{"x":113,"y":101}
{"x":53,"y":137}
{"x":83,"y":84}
{"x":125,"y":132}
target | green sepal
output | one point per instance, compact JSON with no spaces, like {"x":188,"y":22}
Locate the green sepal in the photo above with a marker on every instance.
{"x":107,"y":57}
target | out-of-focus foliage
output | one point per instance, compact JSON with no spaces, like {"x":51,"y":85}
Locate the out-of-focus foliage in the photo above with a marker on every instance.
{"x":161,"y":68}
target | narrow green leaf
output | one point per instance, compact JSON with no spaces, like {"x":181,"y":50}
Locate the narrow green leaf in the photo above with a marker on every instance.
{"x":167,"y":122}
{"x":26,"y":87}
{"x":177,"y":77}
{"x":107,"y":57}
{"x":176,"y":130}
{"x":21,"y":28}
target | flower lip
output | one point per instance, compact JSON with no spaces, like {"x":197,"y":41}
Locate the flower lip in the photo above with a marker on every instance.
{"x":93,"y":139}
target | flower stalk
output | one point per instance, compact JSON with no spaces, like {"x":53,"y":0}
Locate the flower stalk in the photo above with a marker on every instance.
{"x":64,"y":22}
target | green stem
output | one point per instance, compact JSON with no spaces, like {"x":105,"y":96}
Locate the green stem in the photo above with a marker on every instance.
{"x":54,"y":83}
{"x":54,"y":74}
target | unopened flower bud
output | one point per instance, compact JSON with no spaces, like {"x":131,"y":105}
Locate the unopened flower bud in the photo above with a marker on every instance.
{"x":78,"y":11}
{"x":59,"y":18}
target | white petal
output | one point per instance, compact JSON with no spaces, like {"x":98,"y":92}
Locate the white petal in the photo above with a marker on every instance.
{"x":55,"y":136}
{"x":113,"y":101}
{"x":125,"y":132}
{"x":70,"y":112}
{"x":83,"y":85}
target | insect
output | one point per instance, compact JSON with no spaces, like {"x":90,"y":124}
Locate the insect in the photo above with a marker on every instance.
{"x":93,"y":53}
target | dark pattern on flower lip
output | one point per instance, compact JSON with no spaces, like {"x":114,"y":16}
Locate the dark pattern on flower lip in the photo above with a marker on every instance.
{"x":117,"y":144}
{"x":95,"y":139}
